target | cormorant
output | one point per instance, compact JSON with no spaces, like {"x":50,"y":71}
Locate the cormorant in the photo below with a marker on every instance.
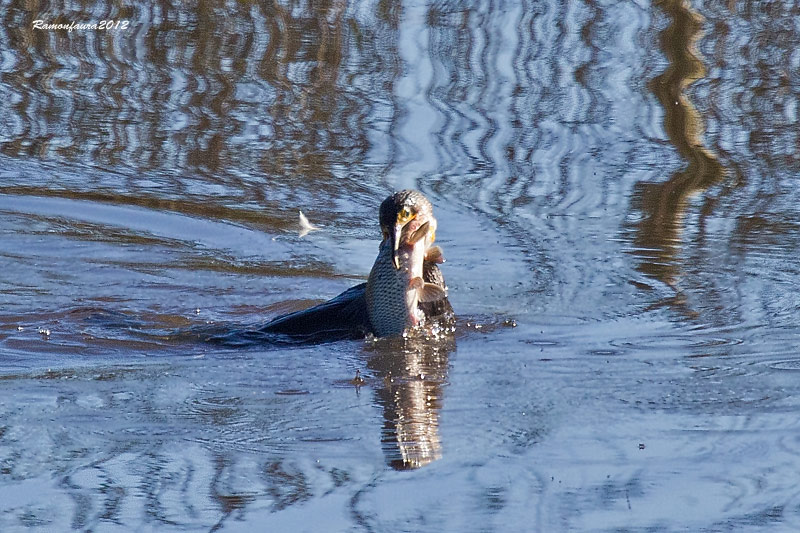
{"x":405,"y":287}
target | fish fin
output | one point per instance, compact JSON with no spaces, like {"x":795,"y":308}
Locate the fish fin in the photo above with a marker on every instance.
{"x":419,"y":233}
{"x":416,"y":284}
{"x":434,"y":254}
{"x":431,"y":293}
{"x":428,"y":292}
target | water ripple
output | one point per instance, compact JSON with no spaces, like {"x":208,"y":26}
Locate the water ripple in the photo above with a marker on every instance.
{"x":616,"y":178}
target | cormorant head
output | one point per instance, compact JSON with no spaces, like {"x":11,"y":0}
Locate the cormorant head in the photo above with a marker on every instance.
{"x":406,"y":218}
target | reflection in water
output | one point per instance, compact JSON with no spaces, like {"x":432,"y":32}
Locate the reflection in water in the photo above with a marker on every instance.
{"x":659,"y":234}
{"x":276,"y":88}
{"x":150,"y":181}
{"x":414,"y":372}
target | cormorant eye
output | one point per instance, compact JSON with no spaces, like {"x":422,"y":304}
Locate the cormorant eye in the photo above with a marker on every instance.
{"x":404,"y":215}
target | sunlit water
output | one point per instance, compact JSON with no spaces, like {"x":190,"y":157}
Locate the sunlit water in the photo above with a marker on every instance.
{"x":616,"y":189}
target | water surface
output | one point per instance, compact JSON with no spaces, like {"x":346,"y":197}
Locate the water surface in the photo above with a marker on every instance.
{"x":615,"y":184}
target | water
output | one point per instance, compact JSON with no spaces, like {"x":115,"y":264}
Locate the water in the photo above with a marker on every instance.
{"x":616,"y":189}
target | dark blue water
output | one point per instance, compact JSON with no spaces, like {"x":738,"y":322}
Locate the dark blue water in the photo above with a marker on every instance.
{"x":616,"y":190}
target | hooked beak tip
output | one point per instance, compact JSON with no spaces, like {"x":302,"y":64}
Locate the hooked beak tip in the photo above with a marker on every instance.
{"x":396,"y":237}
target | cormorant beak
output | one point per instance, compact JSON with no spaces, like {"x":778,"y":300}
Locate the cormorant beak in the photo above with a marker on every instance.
{"x":397,"y":235}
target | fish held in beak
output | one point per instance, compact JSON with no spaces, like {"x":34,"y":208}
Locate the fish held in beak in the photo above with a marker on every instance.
{"x":419,"y":233}
{"x":402,"y":238}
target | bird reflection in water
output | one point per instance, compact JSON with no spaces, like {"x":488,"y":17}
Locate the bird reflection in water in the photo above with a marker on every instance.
{"x":413,"y":371}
